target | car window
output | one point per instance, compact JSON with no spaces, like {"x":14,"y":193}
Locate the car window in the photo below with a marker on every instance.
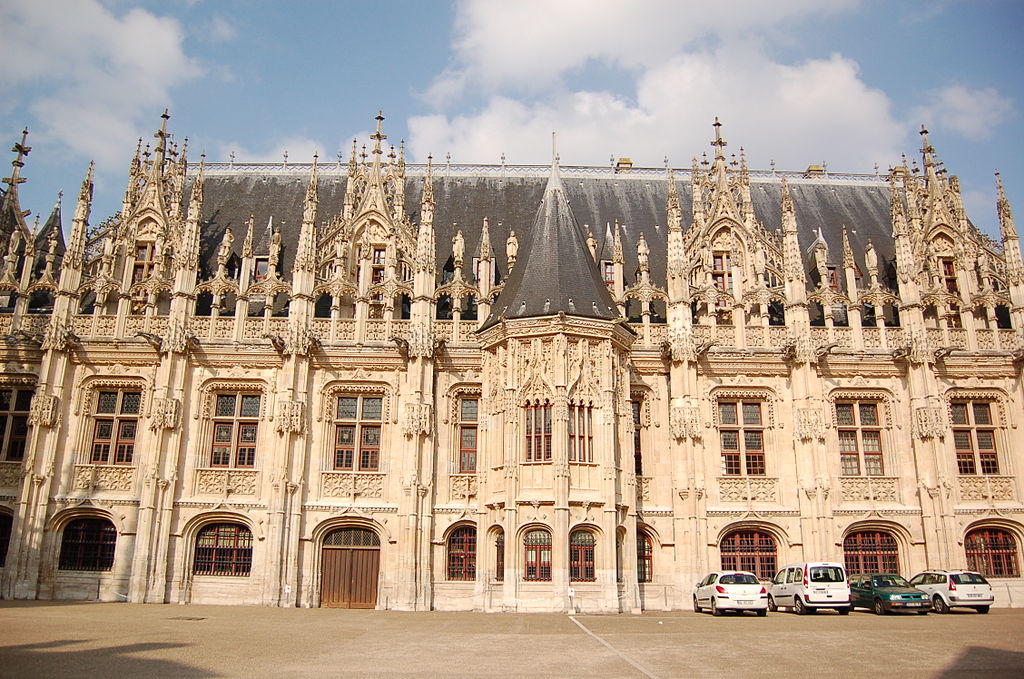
{"x":738,"y":579}
{"x":968,"y":579}
{"x":918,"y":579}
{"x":794,"y":575}
{"x":780,"y":577}
{"x":827,"y":574}
{"x":888,"y":581}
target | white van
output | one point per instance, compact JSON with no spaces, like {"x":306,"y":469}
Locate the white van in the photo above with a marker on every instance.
{"x":806,"y":587}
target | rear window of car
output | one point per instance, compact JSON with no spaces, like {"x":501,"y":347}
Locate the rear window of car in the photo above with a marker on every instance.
{"x":738,"y":579}
{"x":827,"y":574}
{"x":968,"y":579}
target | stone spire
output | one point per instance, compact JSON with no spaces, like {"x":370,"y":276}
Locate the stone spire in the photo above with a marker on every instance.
{"x":848,"y":262}
{"x":555,"y":272}
{"x":485,"y":253}
{"x":74,"y":256}
{"x":1011,"y":242}
{"x":12,"y":218}
{"x":794,"y":265}
{"x":425,"y":246}
{"x":189,"y":257}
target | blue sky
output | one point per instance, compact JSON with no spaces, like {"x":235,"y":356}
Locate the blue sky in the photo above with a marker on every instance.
{"x":844,"y":82}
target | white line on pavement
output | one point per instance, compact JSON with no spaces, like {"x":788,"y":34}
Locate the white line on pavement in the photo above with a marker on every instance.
{"x":643,"y":670}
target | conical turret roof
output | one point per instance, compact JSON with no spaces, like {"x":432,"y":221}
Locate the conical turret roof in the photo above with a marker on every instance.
{"x":555,"y":271}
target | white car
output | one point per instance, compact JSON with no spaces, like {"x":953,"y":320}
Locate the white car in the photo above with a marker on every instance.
{"x":806,"y":587}
{"x":731,"y":591}
{"x":949,"y":589}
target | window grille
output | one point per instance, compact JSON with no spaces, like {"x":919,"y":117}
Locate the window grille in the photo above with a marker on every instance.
{"x":537,"y":561}
{"x":871,"y":552}
{"x":581,"y":556}
{"x":462,"y":554}
{"x":644,"y":557}
{"x":749,"y":550}
{"x":88,"y":545}
{"x":223,"y":549}
{"x":992,"y":552}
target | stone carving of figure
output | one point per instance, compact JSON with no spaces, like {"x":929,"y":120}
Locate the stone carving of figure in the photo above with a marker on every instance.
{"x":871,"y":261}
{"x":759,"y":262}
{"x":224,"y":251}
{"x":275,"y":249}
{"x":643,"y":254}
{"x":983,"y":267}
{"x":592,"y":244}
{"x":820,"y":253}
{"x":511,"y":248}
{"x":458,"y":249}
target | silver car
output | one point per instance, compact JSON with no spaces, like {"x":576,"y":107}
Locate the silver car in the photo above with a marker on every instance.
{"x":949,"y":589}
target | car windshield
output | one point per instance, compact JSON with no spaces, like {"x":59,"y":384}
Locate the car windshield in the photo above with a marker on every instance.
{"x":968,"y":579}
{"x":827,"y":574}
{"x":738,"y":579}
{"x":889,"y":581}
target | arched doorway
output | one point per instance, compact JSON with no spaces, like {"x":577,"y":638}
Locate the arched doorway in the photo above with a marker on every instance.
{"x":349,"y":566}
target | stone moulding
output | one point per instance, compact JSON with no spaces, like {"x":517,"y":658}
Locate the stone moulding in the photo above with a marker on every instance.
{"x":226,"y":481}
{"x":351,"y":484}
{"x":104,"y":477}
{"x":748,"y":488}
{"x":869,"y":488}
{"x":986,"y":487}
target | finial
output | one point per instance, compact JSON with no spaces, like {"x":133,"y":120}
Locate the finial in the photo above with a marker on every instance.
{"x":60,"y":196}
{"x":719,"y":143}
{"x":554,"y":148}
{"x":231,"y":158}
{"x":19,"y":161}
{"x":378,"y":136}
{"x":285,"y":157}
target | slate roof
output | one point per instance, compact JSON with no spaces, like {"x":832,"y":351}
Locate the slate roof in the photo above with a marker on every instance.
{"x":554,"y":270}
{"x":596,"y":198}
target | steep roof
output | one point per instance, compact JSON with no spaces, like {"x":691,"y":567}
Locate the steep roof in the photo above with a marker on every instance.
{"x":509,"y":196}
{"x":554,"y":270}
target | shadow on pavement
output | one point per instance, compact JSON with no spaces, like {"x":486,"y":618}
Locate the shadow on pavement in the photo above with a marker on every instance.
{"x":55,"y":659}
{"x":977,"y":661}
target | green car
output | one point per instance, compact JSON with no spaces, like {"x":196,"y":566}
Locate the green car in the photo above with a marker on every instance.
{"x":887,"y":592}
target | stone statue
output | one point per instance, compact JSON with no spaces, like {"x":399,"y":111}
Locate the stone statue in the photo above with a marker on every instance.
{"x":592,"y":244}
{"x":643,"y":255}
{"x":458,"y":249}
{"x":275,"y":249}
{"x":871,"y":261}
{"x":224,"y":251}
{"x":511,"y":249}
{"x":760,"y":265}
{"x":820,"y":254}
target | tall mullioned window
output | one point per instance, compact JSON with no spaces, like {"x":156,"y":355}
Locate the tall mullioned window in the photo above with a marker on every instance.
{"x":860,"y":439}
{"x":88,"y":545}
{"x":462,"y":554}
{"x":357,"y":433}
{"x":581,"y":433}
{"x":538,"y":432}
{"x":467,"y":433}
{"x":638,"y":452}
{"x":741,"y":428}
{"x":235,"y":429}
{"x":14,"y":410}
{"x":537,"y":555}
{"x":974,"y":437}
{"x":115,"y":424}
{"x":223,"y":549}
{"x":582,"y":545}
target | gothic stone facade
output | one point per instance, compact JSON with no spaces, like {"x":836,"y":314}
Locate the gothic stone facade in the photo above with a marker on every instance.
{"x":368,"y":383}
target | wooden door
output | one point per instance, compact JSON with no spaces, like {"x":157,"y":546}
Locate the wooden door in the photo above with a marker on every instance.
{"x":348,"y":575}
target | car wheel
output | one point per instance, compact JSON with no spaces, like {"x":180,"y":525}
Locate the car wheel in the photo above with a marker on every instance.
{"x":799,"y":606}
{"x":940,"y":604}
{"x":879,"y":608}
{"x":982,"y":609}
{"x":761,"y":612}
{"x":771,"y":604}
{"x":715,"y":610}
{"x":696,"y":606}
{"x":843,"y":611}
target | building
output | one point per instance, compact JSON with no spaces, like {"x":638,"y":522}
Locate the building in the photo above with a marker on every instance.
{"x":368,"y":383}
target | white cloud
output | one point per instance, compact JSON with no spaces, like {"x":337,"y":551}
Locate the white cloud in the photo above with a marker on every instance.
{"x":218,"y":29}
{"x":971,"y":113}
{"x":528,"y":45}
{"x":91,"y":79}
{"x":781,"y":112}
{"x":300,"y":150}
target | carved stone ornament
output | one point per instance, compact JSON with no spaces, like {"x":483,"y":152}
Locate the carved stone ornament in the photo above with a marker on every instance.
{"x":422,"y":340}
{"x":417,"y":419}
{"x":104,"y":477}
{"x":349,"y":484}
{"x":464,"y":486}
{"x":681,"y":344}
{"x":176,"y":339}
{"x":928,"y":423}
{"x":300,"y":339}
{"x":290,"y":418}
{"x":684,"y":422}
{"x":45,"y":411}
{"x":921,"y":350}
{"x":226,"y":481}
{"x":164,"y":414}
{"x":810,"y":424}
{"x":57,"y":336}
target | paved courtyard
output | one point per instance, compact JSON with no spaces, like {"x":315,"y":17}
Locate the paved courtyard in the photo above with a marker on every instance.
{"x":58,"y":639}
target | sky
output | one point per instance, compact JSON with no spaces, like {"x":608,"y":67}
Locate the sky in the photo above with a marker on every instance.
{"x":844,"y":83}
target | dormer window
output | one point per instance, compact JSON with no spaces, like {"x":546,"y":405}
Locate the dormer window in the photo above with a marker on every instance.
{"x":144,"y":262}
{"x":721,"y":273}
{"x":261,"y":268}
{"x":949,"y":276}
{"x":608,"y":272}
{"x":833,"y":279}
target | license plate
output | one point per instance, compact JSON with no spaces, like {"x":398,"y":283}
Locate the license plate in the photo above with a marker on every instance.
{"x":915,"y":603}
{"x":973,"y":596}
{"x":744,"y":602}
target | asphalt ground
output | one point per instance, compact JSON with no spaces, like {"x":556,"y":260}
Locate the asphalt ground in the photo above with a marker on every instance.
{"x":64,"y":639}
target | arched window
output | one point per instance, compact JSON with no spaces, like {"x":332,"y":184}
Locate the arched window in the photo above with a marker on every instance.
{"x":223,"y":549}
{"x":749,"y":550}
{"x":499,"y":557}
{"x":88,"y":545}
{"x":581,"y":556}
{"x":644,"y":557}
{"x":462,"y":554}
{"x":5,"y":537}
{"x":992,"y":552}
{"x":871,"y":551}
{"x":537,"y":557}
